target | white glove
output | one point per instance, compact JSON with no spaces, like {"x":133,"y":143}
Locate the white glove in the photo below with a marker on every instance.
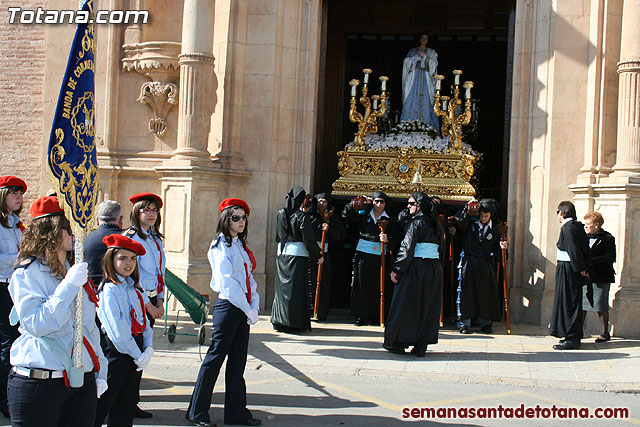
{"x":252,"y":317}
{"x":144,"y":359}
{"x":78,"y":274}
{"x":101,"y":386}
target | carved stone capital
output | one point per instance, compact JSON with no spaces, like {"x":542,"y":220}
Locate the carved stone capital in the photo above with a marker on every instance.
{"x":160,"y":97}
{"x":157,"y":60}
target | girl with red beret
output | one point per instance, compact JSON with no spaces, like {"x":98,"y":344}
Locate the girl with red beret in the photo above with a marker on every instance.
{"x":11,"y":191}
{"x":43,"y":288}
{"x":128,"y":339}
{"x":236,"y":308}
{"x":145,"y":229}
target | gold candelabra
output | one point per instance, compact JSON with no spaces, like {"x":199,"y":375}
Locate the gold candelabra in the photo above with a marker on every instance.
{"x":367,"y":122}
{"x":445,"y":107}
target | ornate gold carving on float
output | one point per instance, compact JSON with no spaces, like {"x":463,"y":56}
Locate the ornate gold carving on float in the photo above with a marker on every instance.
{"x":446,"y":173}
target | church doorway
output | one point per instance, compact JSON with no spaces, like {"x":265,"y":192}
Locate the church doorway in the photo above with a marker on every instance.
{"x":475,"y":36}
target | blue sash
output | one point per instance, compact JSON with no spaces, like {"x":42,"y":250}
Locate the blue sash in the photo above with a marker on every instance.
{"x":426,"y":250}
{"x":369,"y":247}
{"x":294,"y":249}
{"x":562,"y":256}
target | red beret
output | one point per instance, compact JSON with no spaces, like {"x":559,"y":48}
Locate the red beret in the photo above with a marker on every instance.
{"x":140,"y":196}
{"x":46,"y":206}
{"x":123,"y":242}
{"x":12,"y":181}
{"x":226,"y":203}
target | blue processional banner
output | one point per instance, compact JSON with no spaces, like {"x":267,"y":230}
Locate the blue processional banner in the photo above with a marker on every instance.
{"x":72,"y":158}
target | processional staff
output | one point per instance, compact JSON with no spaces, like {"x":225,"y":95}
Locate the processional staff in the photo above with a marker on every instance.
{"x":503,"y":230}
{"x":382,"y":224}
{"x":325,"y":217}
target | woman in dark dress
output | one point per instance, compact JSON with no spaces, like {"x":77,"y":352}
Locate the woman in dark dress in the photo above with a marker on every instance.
{"x":296,"y":248}
{"x":365,"y":286}
{"x":573,"y":262}
{"x":602,"y":247}
{"x":414,"y":315}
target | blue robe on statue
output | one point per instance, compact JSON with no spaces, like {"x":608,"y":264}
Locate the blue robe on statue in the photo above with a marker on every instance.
{"x":418,"y":87}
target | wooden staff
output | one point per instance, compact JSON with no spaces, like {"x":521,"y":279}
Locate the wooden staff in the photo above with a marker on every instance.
{"x":503,"y":229}
{"x":382,"y":224}
{"x":443,"y":220}
{"x":325,"y":217}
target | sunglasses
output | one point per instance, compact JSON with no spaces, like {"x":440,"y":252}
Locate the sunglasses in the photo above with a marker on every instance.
{"x":149,"y":211}
{"x":379,"y":201}
{"x":412,"y":203}
{"x":558,"y":211}
{"x":236,"y":218}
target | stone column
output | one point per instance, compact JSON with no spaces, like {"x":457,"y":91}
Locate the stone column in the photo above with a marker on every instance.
{"x":196,"y":71}
{"x":628,"y":153}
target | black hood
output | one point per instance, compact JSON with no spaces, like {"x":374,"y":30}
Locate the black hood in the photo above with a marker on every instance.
{"x":423,"y":201}
{"x":294,"y":200}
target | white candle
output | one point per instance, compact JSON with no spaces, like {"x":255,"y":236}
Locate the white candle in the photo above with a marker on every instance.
{"x":467,"y":93}
{"x":438,"y":83}
{"x":456,"y":80}
{"x":375,"y":103}
{"x":383,"y":85}
{"x":445,"y":103}
{"x":366,"y":78}
{"x":353,"y":90}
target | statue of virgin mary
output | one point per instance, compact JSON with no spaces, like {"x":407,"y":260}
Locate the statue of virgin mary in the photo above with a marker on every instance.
{"x":418,"y":84}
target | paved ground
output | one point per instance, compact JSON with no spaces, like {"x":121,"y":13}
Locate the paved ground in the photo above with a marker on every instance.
{"x":339,"y":375}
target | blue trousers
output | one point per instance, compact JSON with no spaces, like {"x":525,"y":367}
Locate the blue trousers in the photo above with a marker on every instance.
{"x":230,"y":338}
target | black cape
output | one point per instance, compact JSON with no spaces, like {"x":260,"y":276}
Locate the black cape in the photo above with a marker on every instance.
{"x":290,"y":309}
{"x":365,"y":281}
{"x":566,"y":317}
{"x":480,"y":297}
{"x":414,"y":315}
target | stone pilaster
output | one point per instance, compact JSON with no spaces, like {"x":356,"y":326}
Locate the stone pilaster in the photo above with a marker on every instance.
{"x":196,"y":72}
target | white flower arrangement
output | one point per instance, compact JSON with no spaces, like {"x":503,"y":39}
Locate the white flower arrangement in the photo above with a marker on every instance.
{"x":420,"y":141}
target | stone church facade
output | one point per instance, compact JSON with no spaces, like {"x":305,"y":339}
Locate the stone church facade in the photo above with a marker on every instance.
{"x":219,"y":98}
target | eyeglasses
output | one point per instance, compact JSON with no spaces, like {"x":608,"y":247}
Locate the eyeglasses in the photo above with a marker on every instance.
{"x":558,"y":211}
{"x":412,"y":203}
{"x":149,"y":211}
{"x":236,"y":218}
{"x":379,"y":201}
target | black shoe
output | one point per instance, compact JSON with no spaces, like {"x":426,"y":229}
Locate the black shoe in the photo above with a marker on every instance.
{"x":393,"y":349}
{"x":603,"y":338}
{"x":359,"y":321}
{"x":142,"y":414}
{"x":250,"y":422}
{"x":203,"y":423}
{"x":418,"y":353}
{"x":464,"y":330}
{"x":487,"y":329}
{"x":567,"y":345}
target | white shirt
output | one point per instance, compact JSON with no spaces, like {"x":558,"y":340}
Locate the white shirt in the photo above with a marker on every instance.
{"x":228,"y":274}
{"x":116,"y":302}
{"x":149,"y":263}
{"x":44,"y":305}
{"x":9,"y":242}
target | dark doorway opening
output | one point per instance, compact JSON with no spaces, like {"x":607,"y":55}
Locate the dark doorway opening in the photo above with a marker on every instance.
{"x":472,"y":35}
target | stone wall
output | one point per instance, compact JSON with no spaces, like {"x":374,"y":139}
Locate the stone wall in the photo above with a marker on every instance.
{"x":22,"y":58}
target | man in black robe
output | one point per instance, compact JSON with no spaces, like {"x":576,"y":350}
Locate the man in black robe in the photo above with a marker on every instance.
{"x":365,"y":285}
{"x":334,"y":234}
{"x":296,"y":248}
{"x":478,"y":294}
{"x":414,"y":315}
{"x":573,"y":261}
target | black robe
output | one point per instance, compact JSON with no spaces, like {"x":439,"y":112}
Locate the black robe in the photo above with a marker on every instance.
{"x":290,"y":309}
{"x":365,"y":280}
{"x":480,"y":297}
{"x":414,"y":315}
{"x":566,"y":317}
{"x":335,"y":234}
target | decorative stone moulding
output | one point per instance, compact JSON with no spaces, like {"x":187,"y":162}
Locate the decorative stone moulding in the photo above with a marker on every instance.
{"x":159,"y":62}
{"x":447,"y":175}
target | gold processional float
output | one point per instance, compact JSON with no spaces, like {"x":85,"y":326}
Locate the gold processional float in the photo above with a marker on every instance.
{"x":412,"y":157}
